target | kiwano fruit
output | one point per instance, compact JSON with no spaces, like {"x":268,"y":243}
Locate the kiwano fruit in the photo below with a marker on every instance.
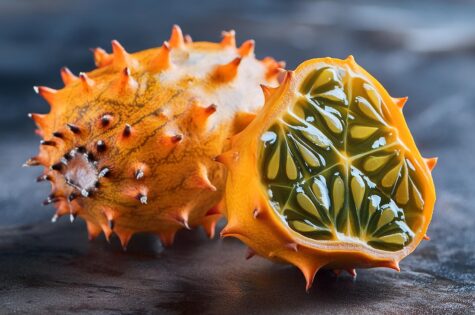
{"x":328,"y":175}
{"x":129,"y":146}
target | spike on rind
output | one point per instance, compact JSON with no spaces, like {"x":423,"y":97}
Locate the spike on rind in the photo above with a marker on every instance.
{"x":47,"y":93}
{"x":126,"y":81}
{"x":249,"y":253}
{"x":73,"y":128}
{"x":229,"y":39}
{"x":431,"y":162}
{"x":247,"y":48}
{"x":163,"y":59}
{"x":400,"y":102}
{"x":209,"y":225}
{"x":199,"y":179}
{"x":31,"y":162}
{"x":309,"y":272}
{"x":176,"y":38}
{"x":242,"y":120}
{"x":227,"y":72}
{"x":127,"y":131}
{"x":86,"y":82}
{"x":101,"y":57}
{"x":200,"y":115}
{"x":124,"y":237}
{"x":426,"y":237}
{"x":120,"y":56}
{"x":67,"y":76}
{"x":167,"y":238}
{"x":351,"y":272}
{"x":93,"y":230}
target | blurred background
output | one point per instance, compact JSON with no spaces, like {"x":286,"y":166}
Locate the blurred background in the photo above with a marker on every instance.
{"x":424,"y":49}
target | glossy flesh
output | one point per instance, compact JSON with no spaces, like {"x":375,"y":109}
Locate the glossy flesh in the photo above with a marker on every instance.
{"x":335,"y":168}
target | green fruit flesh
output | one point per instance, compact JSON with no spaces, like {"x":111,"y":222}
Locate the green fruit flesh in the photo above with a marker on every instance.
{"x":334,"y":168}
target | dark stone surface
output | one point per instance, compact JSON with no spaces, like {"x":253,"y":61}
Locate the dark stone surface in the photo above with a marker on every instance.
{"x":423,"y":49}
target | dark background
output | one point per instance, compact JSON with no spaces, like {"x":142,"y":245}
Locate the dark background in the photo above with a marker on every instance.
{"x":423,"y":49}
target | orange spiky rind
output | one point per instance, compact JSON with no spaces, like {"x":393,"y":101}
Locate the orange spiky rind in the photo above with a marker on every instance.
{"x":247,"y":48}
{"x":229,"y":39}
{"x":254,"y":218}
{"x":67,"y":76}
{"x":176,"y":38}
{"x":162,"y":60}
{"x":47,"y":93}
{"x":228,"y":71}
{"x":431,"y":162}
{"x":131,"y":147}
{"x":101,"y":57}
{"x":400,"y":102}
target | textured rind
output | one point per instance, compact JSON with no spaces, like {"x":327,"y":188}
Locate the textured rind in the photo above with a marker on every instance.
{"x":251,"y":217}
{"x":151,"y":122}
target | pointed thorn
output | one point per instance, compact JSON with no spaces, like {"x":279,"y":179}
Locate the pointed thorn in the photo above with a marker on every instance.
{"x":127,"y":131}
{"x":426,"y":237}
{"x":431,"y":162}
{"x":120,"y":55}
{"x":227,"y":72}
{"x":229,"y":39}
{"x":72,"y":196}
{"x":250,"y":253}
{"x":176,"y":38}
{"x":176,"y":138}
{"x":351,"y":272}
{"x":54,"y":218}
{"x":100,"y":146}
{"x":57,"y":167}
{"x":31,"y":162}
{"x":47,"y":93}
{"x":48,"y":143}
{"x":188,"y":39}
{"x":105,"y":120}
{"x":67,"y":76}
{"x":50,"y":200}
{"x":87,"y":83}
{"x":256,"y":213}
{"x":101,"y":57}
{"x":58,"y":134}
{"x":185,"y":224}
{"x":266,"y":90}
{"x":142,"y":198}
{"x":400,"y":102}
{"x":74,"y":129}
{"x":293,"y":246}
{"x":247,"y":48}
{"x":162,"y":60}
{"x":43,"y":178}
{"x":139,"y":174}
{"x":104,"y":172}
{"x":350,"y":59}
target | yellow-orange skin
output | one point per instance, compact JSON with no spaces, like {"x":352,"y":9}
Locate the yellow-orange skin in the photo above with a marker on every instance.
{"x":181,"y":114}
{"x":251,"y":217}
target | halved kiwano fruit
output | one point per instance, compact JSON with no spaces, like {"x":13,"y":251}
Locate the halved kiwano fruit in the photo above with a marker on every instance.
{"x":328,"y":174}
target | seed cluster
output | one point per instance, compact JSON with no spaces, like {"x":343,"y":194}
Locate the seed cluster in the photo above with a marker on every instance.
{"x":335,"y":168}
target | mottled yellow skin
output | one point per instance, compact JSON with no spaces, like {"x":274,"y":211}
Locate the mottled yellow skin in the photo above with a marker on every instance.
{"x":154,"y":120}
{"x":251,"y":217}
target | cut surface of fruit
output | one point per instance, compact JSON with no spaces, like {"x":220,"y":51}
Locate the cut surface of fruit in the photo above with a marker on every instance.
{"x":336,"y":172}
{"x":129,"y":146}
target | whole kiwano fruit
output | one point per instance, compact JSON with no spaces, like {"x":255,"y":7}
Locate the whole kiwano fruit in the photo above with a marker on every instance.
{"x":129,"y":146}
{"x":328,"y":175}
